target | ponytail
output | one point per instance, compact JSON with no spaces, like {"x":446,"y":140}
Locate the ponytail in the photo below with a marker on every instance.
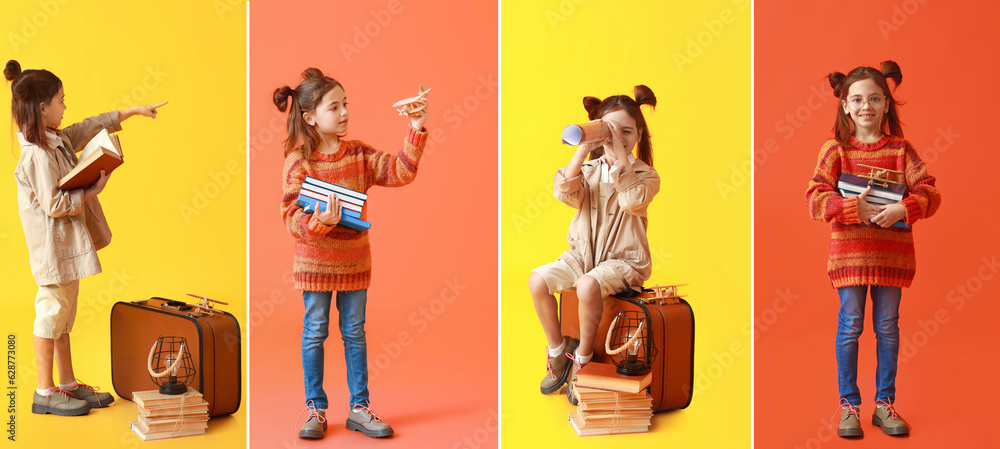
{"x":303,"y":98}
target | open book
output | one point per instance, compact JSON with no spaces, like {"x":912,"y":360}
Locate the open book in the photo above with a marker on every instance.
{"x":103,"y":152}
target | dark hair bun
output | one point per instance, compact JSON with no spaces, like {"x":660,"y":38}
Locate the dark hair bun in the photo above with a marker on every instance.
{"x":644,"y":95}
{"x":312,"y":72}
{"x":281,"y":96}
{"x":12,"y":70}
{"x":891,"y":71}
{"x":837,"y":82}
{"x":590,"y":104}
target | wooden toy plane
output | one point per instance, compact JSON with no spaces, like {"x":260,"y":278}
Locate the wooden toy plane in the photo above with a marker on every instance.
{"x":665,"y":294}
{"x":882,"y":177}
{"x":409,"y":107}
{"x":206,"y":304}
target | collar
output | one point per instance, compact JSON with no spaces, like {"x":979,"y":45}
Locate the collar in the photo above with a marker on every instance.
{"x":52,"y":139}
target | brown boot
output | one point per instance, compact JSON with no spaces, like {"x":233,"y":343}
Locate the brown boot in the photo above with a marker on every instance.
{"x":558,"y":367}
{"x":315,"y":426}
{"x":850,"y":421}
{"x":885,"y":416}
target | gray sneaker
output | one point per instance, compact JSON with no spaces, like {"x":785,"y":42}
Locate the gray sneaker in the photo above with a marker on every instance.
{"x":885,"y":416}
{"x":364,"y":420}
{"x":315,"y":426}
{"x":97,"y":399}
{"x":59,"y":402}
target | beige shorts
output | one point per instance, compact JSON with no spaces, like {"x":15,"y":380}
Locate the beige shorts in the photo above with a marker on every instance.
{"x":55,"y":309}
{"x":560,"y":275}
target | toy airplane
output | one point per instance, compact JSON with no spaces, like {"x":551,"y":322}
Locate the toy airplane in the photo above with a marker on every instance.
{"x":665,"y":294}
{"x":410,"y":106}
{"x":206,"y":304}
{"x":881,"y":177}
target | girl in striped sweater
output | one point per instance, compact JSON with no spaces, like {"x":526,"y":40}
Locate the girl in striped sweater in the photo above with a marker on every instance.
{"x":868,"y":253}
{"x":331,"y":258}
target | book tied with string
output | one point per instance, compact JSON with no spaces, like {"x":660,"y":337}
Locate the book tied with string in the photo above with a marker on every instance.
{"x":169,"y":416}
{"x":610,"y":403}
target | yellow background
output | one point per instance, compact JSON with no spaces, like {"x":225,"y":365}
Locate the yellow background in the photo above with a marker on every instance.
{"x":696,"y":58}
{"x":111,"y":55}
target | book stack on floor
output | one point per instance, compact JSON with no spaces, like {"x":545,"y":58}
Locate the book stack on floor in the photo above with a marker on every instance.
{"x":851,"y":185}
{"x":609,"y":402}
{"x":169,"y":416}
{"x":314,"y":193}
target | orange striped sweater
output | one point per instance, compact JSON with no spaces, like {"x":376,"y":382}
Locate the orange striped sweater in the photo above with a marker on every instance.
{"x":863,"y":254}
{"x":335,"y":258}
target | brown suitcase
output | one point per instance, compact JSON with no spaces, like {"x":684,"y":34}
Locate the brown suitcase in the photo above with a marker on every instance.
{"x":672,"y":327}
{"x":213,"y":341}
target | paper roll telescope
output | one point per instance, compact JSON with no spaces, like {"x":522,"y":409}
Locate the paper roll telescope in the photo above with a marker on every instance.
{"x":585,"y":133}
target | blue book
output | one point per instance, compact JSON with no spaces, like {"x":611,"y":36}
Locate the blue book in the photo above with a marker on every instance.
{"x":349,"y":218}
{"x":852,"y":185}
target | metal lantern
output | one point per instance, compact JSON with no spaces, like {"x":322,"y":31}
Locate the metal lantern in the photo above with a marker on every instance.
{"x":170,"y":365}
{"x":630,"y":341}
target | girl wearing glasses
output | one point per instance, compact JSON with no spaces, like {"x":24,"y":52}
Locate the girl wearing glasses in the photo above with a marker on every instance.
{"x":867,"y":252}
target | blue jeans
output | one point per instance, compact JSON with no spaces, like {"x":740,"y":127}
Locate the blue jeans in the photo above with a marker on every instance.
{"x":315,"y":329}
{"x":850,"y":323}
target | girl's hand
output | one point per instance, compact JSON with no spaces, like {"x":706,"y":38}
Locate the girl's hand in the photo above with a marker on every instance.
{"x":867,"y":211}
{"x":617,"y":144}
{"x":331,"y":215}
{"x":889,"y":215}
{"x":148,"y":110}
{"x":97,"y":188}
{"x":417,"y":120}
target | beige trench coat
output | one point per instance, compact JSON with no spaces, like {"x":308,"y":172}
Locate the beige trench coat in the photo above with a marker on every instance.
{"x":620,"y":242}
{"x":62,"y":232}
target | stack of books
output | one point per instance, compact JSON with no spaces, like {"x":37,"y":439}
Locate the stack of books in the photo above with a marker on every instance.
{"x":314,"y":193}
{"x":851,"y":185}
{"x":609,"y":402}
{"x":169,"y":416}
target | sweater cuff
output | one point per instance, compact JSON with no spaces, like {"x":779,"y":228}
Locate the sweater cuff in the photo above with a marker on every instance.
{"x":849,"y":212}
{"x":417,"y":138}
{"x":317,"y":227}
{"x":912,"y":207}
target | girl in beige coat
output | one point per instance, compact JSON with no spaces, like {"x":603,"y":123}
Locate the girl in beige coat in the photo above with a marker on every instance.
{"x":63,"y":229}
{"x":608,"y":251}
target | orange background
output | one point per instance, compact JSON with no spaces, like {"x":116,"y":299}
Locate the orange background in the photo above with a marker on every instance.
{"x":947,"y":354}
{"x":432,"y":353}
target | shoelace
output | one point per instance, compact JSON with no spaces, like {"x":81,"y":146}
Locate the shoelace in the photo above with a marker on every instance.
{"x":851,"y":410}
{"x":575,"y":362}
{"x":888,"y":408}
{"x":367,"y":410}
{"x":92,"y":389}
{"x":313,"y":413}
{"x":548,"y":367}
{"x":56,"y":389}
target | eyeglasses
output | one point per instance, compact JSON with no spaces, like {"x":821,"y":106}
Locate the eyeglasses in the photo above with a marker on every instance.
{"x":857,"y":102}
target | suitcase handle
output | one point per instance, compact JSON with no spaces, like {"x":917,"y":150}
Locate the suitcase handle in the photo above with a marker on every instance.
{"x":176,"y":305}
